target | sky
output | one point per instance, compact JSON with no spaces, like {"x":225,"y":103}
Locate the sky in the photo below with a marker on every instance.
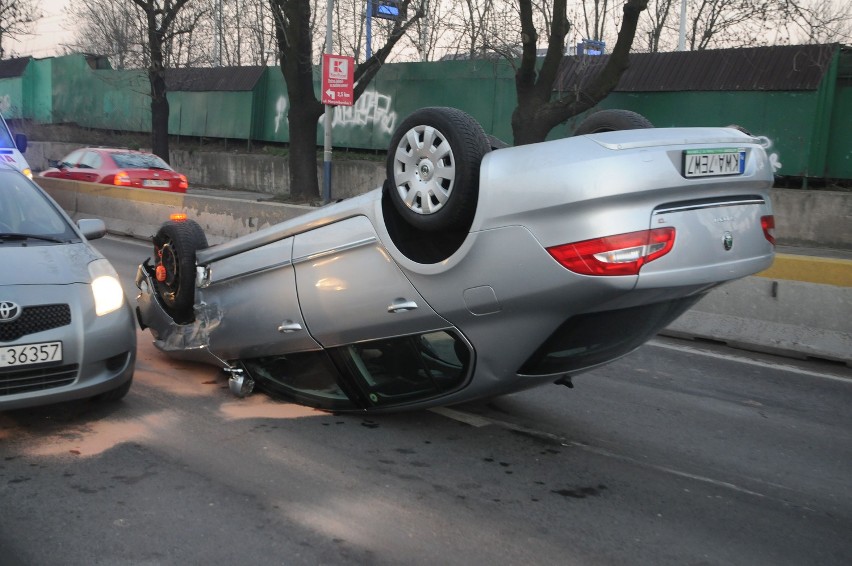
{"x":49,"y":31}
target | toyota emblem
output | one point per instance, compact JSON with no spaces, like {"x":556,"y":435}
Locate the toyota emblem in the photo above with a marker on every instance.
{"x":9,"y":311}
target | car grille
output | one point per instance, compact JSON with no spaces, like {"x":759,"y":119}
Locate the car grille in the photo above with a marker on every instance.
{"x":35,"y":319}
{"x":27,"y":380}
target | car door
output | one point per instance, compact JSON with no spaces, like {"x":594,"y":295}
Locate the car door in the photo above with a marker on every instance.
{"x":350,"y":289}
{"x":251,"y":304}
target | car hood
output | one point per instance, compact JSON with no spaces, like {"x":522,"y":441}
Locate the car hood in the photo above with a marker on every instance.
{"x":52,"y":264}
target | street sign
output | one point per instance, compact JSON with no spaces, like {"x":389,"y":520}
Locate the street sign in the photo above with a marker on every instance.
{"x":337,"y":79}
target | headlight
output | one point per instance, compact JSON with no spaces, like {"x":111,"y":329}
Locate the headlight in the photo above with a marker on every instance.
{"x":106,"y":288}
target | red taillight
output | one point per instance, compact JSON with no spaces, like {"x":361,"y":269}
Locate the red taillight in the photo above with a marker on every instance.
{"x":768,"y":225}
{"x":121,"y":179}
{"x":623,"y":254}
{"x":183,"y":183}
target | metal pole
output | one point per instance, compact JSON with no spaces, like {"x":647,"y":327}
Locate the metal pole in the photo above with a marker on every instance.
{"x":681,"y":40}
{"x":369,"y":50}
{"x":326,"y":178}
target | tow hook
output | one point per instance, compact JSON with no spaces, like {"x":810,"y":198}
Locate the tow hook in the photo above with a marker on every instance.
{"x":239,"y":384}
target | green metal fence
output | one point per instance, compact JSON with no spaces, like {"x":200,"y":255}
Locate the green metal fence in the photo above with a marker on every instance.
{"x":810,"y":131}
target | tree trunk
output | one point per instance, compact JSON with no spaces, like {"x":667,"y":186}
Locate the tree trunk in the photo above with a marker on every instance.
{"x":159,"y":116}
{"x":536,"y":114}
{"x":303,"y":117}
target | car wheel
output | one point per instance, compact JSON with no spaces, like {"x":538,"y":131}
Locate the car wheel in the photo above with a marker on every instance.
{"x":611,"y":121}
{"x":433,"y":168}
{"x":174,"y":246}
{"x":116,"y":394}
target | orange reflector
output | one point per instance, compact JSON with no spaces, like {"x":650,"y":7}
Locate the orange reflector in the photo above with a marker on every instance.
{"x":161,"y":273}
{"x":178,"y":216}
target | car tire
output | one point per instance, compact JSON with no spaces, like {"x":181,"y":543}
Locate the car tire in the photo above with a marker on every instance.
{"x":175,"y":245}
{"x":114,"y":395}
{"x":612,"y":121}
{"x":433,"y":168}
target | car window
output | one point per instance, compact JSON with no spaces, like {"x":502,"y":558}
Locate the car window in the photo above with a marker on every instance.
{"x":6,"y":140}
{"x":90,"y":160}
{"x":72,"y":158}
{"x":308,"y":377}
{"x":25,"y":210}
{"x":409,"y":368}
{"x":139,"y":161}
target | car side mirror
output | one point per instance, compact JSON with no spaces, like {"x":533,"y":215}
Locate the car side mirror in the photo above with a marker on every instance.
{"x":92,"y":228}
{"x":21,"y":142}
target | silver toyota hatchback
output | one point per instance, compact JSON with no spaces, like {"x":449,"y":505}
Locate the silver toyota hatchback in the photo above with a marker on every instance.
{"x":475,"y":270}
{"x":66,"y":329}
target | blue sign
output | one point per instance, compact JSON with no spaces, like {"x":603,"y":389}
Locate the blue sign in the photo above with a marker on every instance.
{"x":387,"y":9}
{"x":591,"y":47}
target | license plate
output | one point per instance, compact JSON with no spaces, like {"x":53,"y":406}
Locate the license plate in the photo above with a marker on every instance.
{"x":43,"y":352}
{"x":154,"y":183}
{"x":713,"y":162}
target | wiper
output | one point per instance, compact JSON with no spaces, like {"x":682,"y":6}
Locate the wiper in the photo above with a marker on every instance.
{"x":16,"y":236}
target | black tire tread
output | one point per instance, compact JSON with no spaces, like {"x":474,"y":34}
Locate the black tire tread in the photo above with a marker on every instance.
{"x":612,"y":120}
{"x":186,"y":237}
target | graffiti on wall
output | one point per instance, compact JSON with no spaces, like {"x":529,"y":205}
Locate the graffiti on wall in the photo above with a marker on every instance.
{"x":773,"y":156}
{"x":371,"y":108}
{"x":280,"y":111}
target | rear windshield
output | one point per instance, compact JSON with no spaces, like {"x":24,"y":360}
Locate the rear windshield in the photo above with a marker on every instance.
{"x":139,"y":161}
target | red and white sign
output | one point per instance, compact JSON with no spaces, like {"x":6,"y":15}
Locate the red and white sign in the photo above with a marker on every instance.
{"x":337,"y":79}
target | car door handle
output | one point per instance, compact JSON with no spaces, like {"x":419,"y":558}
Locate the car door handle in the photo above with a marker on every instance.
{"x":289,"y":326}
{"x":402,"y":305}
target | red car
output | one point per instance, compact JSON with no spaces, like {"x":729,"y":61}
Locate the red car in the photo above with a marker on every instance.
{"x":120,"y":167}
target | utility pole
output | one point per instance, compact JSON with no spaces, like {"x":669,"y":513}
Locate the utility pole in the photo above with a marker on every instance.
{"x":326,"y":164}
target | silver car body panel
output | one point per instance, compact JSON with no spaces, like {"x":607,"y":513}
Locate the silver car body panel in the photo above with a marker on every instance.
{"x":337,"y":273}
{"x":103,"y":348}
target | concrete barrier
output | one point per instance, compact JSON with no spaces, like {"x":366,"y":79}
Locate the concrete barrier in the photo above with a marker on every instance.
{"x":801,"y":307}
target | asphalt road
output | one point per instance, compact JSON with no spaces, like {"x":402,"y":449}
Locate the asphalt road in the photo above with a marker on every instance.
{"x":681,"y":453}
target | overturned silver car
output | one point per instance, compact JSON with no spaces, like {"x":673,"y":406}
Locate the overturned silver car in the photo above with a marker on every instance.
{"x":473,"y":271}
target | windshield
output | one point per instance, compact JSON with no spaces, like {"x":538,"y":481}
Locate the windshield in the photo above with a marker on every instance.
{"x":139,"y":161}
{"x":25,"y":211}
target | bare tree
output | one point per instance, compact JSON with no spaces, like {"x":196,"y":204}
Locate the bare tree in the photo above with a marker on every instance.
{"x":160,"y":16}
{"x":722,"y":23}
{"x":16,"y":19}
{"x":659,"y":21}
{"x":594,"y":18}
{"x":110,"y":28}
{"x":537,"y":113}
{"x":293,"y":20}
{"x":818,"y":21}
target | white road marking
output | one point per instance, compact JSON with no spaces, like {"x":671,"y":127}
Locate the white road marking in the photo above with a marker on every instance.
{"x":744,"y":360}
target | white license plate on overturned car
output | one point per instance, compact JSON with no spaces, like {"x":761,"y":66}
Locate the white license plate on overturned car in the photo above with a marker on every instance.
{"x":155,"y":183}
{"x":27,"y":354}
{"x":712,"y":162}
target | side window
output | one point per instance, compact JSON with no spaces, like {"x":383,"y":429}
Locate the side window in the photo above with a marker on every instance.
{"x":90,"y":160}
{"x":72,"y":158}
{"x":308,"y":377}
{"x":409,"y":368}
